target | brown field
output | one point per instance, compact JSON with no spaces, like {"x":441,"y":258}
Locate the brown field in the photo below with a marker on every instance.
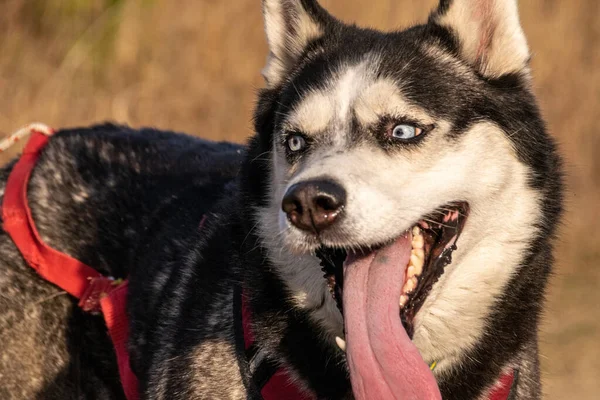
{"x":194,"y":66}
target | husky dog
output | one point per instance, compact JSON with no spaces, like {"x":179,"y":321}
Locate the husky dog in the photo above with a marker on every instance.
{"x":390,"y":226}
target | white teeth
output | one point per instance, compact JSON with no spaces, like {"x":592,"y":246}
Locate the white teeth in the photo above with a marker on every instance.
{"x":341,"y":343}
{"x":420,"y":253}
{"x":403,"y":300}
{"x":418,"y":242}
{"x":417,"y":263}
{"x":417,"y":254}
{"x":410,"y":285}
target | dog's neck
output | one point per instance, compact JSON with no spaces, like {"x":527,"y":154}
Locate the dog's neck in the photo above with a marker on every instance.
{"x":286,"y":330}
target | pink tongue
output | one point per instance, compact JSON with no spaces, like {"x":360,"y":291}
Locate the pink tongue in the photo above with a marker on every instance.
{"x":384,"y":364}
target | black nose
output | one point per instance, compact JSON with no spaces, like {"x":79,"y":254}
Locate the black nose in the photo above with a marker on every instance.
{"x":314,"y":205}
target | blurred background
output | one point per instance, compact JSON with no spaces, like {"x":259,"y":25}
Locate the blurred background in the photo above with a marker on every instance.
{"x":194,"y":66}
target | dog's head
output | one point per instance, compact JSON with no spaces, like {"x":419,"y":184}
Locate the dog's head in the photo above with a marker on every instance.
{"x":417,"y":159}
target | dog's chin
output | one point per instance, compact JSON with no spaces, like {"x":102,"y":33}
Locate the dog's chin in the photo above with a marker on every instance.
{"x":430,"y":242}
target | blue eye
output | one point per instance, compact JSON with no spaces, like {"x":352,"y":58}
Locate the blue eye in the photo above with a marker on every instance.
{"x":296,"y":143}
{"x":405,"y":131}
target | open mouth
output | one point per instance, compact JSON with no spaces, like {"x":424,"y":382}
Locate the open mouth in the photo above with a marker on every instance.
{"x":432,"y":240}
{"x":379,"y":290}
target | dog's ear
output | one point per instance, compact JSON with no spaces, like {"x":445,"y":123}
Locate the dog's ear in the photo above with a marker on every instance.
{"x":489,"y":34}
{"x":290,"y":26}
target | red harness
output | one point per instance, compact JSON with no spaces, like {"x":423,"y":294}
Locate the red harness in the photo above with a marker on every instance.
{"x":279,"y":386}
{"x":97,"y":293}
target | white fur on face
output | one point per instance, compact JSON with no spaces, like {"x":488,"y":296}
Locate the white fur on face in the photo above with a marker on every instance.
{"x":331,"y":109}
{"x":499,"y":229}
{"x":389,"y":192}
{"x":313,"y":115}
{"x":300,"y":269}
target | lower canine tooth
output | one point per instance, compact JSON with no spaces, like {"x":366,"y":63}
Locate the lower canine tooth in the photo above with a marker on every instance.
{"x":341,"y":343}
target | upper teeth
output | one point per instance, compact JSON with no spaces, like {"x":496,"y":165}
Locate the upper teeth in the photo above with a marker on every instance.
{"x":418,"y":241}
{"x":415,"y":265}
{"x":410,"y":284}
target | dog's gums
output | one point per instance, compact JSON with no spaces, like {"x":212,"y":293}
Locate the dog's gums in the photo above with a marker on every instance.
{"x":433,"y":239}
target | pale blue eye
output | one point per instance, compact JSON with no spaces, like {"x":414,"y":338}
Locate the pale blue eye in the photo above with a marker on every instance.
{"x":405,"y":131}
{"x":296,"y":143}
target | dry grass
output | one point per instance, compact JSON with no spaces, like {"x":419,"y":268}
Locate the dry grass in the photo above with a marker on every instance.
{"x":193,"y":65}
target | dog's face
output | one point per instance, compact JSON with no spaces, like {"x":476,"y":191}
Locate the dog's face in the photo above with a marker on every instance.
{"x":407,"y":143}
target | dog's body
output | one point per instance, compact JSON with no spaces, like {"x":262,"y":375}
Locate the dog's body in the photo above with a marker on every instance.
{"x":94,"y":194}
{"x":361,"y":137}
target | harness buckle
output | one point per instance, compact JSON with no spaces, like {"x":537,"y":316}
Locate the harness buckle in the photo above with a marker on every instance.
{"x":98,"y":288}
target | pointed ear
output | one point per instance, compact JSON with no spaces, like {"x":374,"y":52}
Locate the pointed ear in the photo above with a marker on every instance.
{"x":489,"y":34}
{"x":290,"y":26}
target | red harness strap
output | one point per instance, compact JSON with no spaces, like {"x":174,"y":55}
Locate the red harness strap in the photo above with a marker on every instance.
{"x":280,"y":385}
{"x":95,"y":292}
{"x":503,"y":388}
